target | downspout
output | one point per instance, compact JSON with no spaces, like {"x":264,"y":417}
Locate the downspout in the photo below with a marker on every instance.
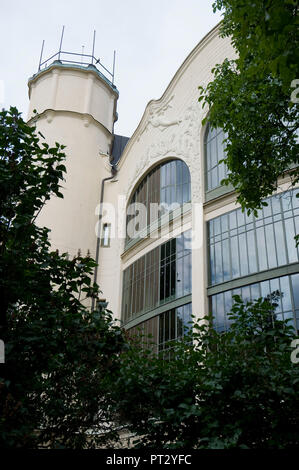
{"x":113,"y":173}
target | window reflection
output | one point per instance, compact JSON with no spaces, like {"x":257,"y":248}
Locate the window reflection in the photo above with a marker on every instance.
{"x":240,"y":245}
{"x":166,"y":184}
{"x":162,"y":275}
{"x":214,"y":151}
{"x":288,"y":303}
{"x":164,"y":328}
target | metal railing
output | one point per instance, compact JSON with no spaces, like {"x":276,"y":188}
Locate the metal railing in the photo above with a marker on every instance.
{"x":86,"y":59}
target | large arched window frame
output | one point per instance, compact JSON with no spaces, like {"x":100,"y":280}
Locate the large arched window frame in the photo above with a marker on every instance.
{"x":163,"y":189}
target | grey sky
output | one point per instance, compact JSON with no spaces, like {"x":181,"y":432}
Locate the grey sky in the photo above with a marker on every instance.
{"x":151,"y":39}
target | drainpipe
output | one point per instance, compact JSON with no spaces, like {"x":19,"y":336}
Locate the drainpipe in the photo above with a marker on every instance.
{"x":113,"y":173}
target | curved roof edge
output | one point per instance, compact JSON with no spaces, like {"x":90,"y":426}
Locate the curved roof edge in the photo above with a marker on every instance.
{"x":89,"y":68}
{"x":202,"y":43}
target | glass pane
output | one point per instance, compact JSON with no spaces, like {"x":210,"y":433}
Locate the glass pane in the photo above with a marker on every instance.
{"x":267,"y":211}
{"x":172,"y":325}
{"x":212,"y":265}
{"x":235,"y":257}
{"x":276,"y":208}
{"x":220,"y":145}
{"x":179,"y":194}
{"x":243,"y":254}
{"x":163,"y":176}
{"x":272,"y":261}
{"x":286,"y":294}
{"x":240,"y":218}
{"x":280,"y":243}
{"x":252,"y":258}
{"x":186,"y":178}
{"x":220,"y":312}
{"x":186,"y":196}
{"x":226,"y":260}
{"x":232,"y":220}
{"x":224,"y":223}
{"x":173,"y":278}
{"x":214,"y":177}
{"x":228,"y":301}
{"x":217,"y":225}
{"x":295,"y":285}
{"x":221,"y":172}
{"x":214,"y":159}
{"x":295,"y":200}
{"x":218,"y":263}
{"x":187,"y":274}
{"x":161,"y":328}
{"x":209,"y":180}
{"x":172,"y":172}
{"x":179,"y":171}
{"x":261,"y":247}
{"x":265,"y":289}
{"x":274,"y":287}
{"x":291,"y":244}
{"x":166,"y":326}
{"x":179,"y":278}
{"x":180,"y":321}
{"x":246,"y":293}
{"x":255,"y":291}
{"x":168,"y":175}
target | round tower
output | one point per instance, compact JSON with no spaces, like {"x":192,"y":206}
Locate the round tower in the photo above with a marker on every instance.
{"x":76,"y":106}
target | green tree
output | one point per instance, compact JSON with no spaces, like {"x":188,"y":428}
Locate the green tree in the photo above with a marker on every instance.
{"x":254,"y":98}
{"x":58,"y":351}
{"x":236,"y":389}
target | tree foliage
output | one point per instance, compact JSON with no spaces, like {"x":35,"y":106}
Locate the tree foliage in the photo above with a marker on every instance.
{"x":235,"y":389}
{"x":58,"y":351}
{"x":254,"y":98}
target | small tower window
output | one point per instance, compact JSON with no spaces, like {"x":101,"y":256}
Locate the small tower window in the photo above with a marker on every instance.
{"x":106,"y":235}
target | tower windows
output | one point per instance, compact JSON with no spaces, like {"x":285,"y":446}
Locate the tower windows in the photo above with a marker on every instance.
{"x":105,"y":240}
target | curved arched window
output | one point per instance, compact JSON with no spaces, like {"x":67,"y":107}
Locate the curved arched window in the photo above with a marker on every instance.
{"x":214,"y":152}
{"x":165,"y":188}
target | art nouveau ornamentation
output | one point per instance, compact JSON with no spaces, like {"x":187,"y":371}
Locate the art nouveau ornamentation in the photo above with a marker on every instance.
{"x":183,"y":142}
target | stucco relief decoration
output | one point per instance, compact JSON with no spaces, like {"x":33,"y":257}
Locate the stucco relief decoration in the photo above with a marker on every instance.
{"x":156,"y":118}
{"x":178,"y":137}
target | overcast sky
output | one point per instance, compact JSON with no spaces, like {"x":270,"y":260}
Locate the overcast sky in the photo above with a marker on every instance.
{"x":151,"y":39}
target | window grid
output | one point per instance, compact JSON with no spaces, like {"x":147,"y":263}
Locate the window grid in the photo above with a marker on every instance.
{"x":288,"y":303}
{"x":161,"y":275}
{"x":240,"y":245}
{"x":173,"y":325}
{"x":167,"y":183}
{"x":214,"y":152}
{"x":164,"y":328}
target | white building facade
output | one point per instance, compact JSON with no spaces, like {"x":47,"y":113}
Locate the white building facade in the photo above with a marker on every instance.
{"x":169,"y":240}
